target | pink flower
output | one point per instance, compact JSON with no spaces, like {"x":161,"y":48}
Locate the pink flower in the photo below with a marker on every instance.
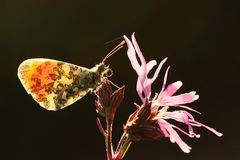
{"x":160,"y":103}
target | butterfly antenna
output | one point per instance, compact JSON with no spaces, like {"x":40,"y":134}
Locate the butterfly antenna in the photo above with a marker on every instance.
{"x":114,"y":50}
{"x":113,"y":40}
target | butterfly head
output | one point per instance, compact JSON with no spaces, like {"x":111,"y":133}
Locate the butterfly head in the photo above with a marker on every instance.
{"x":103,"y":70}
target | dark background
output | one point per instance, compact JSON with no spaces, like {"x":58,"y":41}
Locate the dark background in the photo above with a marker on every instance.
{"x":199,"y":37}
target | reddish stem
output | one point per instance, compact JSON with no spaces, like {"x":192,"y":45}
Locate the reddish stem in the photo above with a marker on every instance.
{"x":108,"y":141}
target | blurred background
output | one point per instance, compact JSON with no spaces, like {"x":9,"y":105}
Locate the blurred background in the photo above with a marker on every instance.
{"x":199,"y":37}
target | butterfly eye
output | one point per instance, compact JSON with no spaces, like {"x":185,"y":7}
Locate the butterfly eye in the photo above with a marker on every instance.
{"x":109,"y":73}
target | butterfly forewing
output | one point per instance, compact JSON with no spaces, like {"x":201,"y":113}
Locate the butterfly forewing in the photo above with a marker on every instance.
{"x":55,"y":84}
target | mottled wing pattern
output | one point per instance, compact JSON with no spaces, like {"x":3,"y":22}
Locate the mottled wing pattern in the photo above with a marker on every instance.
{"x":55,"y":84}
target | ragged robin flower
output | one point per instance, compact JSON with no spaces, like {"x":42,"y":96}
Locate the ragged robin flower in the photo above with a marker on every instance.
{"x":150,"y":121}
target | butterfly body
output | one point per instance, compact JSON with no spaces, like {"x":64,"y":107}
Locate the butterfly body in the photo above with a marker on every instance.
{"x":56,"y":84}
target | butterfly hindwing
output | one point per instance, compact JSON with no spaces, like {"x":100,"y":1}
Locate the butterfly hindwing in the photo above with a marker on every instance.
{"x":56,"y":84}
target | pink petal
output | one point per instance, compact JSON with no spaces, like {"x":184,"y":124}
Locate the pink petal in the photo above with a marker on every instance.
{"x":183,"y":117}
{"x":164,"y":80}
{"x":173,"y":135}
{"x":190,"y":135}
{"x":139,"y":53}
{"x":175,"y":115}
{"x":147,"y":87}
{"x":186,"y":118}
{"x":148,"y":82}
{"x":158,"y":69}
{"x":179,"y":99}
{"x":143,"y":88}
{"x":172,"y":88}
{"x":207,"y":127}
{"x":132,"y":56}
{"x":150,"y":65}
{"x":188,"y":108}
{"x":139,"y":89}
{"x":180,"y":115}
{"x":142,"y":72}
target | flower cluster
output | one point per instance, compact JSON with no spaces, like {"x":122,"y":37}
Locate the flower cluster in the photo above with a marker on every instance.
{"x":150,"y":121}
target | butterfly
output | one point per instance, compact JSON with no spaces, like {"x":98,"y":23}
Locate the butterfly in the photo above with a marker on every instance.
{"x":56,"y":84}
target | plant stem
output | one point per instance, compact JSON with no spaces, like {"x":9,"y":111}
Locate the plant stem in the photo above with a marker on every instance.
{"x":123,"y":146}
{"x":108,"y":140}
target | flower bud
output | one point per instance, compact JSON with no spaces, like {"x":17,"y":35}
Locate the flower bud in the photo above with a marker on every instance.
{"x":108,"y":101}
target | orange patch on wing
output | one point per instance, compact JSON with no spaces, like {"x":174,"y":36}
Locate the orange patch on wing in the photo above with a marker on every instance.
{"x":40,"y":78}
